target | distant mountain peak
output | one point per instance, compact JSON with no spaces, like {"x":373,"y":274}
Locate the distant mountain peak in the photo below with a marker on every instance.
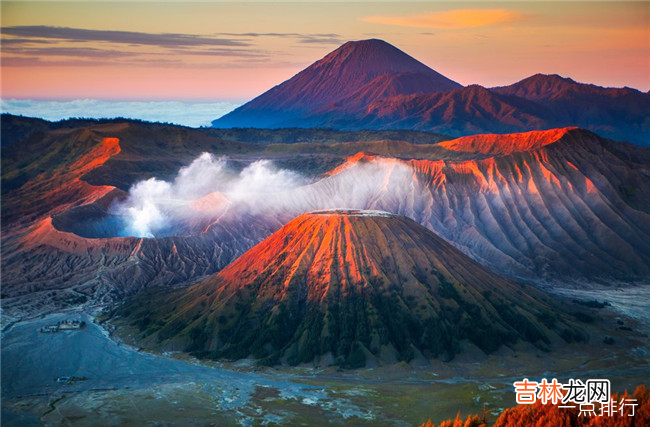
{"x":361,"y":61}
{"x":377,"y":56}
{"x":336,"y":77}
{"x":365,"y":44}
{"x":538,"y":87}
{"x":371,"y":84}
{"x":549,"y":77}
{"x":557,"y":83}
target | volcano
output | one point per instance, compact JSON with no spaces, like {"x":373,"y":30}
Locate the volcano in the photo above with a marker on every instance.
{"x":372,"y":85}
{"x":363,"y":71}
{"x":347,"y":287}
{"x":549,"y":207}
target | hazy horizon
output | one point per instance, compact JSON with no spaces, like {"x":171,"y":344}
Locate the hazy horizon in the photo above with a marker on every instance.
{"x":184,"y":113}
{"x":192,"y":113}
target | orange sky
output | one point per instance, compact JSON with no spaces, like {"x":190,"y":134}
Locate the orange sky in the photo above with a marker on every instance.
{"x":234,"y":51}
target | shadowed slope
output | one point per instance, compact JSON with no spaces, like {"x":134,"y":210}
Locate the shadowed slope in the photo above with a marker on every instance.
{"x":618,"y":113}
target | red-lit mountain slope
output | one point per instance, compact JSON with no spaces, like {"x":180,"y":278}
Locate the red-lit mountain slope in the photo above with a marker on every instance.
{"x":347,"y":286}
{"x":577,"y":207}
{"x":538,"y":102}
{"x":469,"y":110}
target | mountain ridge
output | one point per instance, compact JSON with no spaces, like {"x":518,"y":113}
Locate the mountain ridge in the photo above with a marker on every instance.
{"x":399,"y":92}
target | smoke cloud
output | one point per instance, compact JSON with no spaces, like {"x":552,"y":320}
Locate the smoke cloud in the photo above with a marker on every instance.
{"x":210,"y":189}
{"x":207,"y":187}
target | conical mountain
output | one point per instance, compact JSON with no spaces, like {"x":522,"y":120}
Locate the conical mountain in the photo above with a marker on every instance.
{"x":366,"y":64}
{"x":348,"y":287}
{"x":372,"y":85}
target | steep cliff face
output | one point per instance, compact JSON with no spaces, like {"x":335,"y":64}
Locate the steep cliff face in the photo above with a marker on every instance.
{"x":562,"y":203}
{"x":348,"y":286}
{"x":500,"y":145}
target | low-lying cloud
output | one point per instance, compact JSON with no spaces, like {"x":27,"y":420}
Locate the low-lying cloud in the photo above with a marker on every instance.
{"x":193,"y":114}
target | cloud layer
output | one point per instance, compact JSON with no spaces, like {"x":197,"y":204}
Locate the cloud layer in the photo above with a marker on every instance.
{"x":123,"y":37}
{"x":183,"y":113}
{"x":42,"y":45}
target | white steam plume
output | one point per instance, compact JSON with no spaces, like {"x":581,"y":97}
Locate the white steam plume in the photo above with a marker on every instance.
{"x":208,"y":189}
{"x":153,"y":206}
